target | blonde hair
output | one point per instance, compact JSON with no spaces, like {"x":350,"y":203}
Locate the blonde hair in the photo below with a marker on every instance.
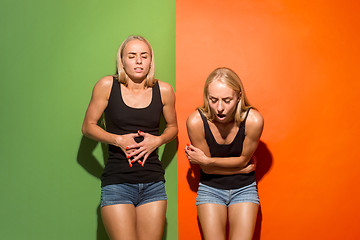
{"x":231,"y":79}
{"x":121,"y":75}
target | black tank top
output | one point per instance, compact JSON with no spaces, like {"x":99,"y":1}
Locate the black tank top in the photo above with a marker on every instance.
{"x":122,"y":119}
{"x":233,"y":149}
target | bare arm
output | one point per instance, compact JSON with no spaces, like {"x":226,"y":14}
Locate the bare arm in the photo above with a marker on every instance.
{"x":168,"y":97}
{"x":151,"y":142}
{"x":98,"y":103}
{"x":198,"y":152}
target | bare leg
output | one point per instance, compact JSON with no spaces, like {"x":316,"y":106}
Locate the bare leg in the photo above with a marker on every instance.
{"x":242,"y":220}
{"x":151,"y":220}
{"x":120,"y":221}
{"x":213,"y":219}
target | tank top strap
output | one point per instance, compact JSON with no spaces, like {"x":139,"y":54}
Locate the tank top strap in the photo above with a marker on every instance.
{"x":116,"y":90}
{"x":156,"y":94}
{"x":115,"y":82}
{"x":247,"y":113}
{"x":208,"y":134}
{"x":203,"y":118}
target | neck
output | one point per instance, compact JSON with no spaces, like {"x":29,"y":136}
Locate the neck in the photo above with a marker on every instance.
{"x":136,"y":84}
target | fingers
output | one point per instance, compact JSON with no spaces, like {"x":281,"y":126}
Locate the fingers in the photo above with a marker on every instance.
{"x":142,"y":163}
{"x":140,"y":133}
{"x":130,"y":164}
{"x":190,"y":147}
{"x":132,"y":135}
{"x":138,"y":156}
{"x":133,"y":146}
{"x":136,"y":159}
{"x":188,"y":150}
{"x":134,"y":152}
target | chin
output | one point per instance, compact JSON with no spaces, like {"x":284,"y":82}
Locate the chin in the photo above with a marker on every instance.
{"x":138,"y":78}
{"x":221,"y":120}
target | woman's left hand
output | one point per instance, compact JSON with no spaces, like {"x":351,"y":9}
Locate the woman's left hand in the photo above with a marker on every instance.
{"x":195,"y":155}
{"x":143,"y":148}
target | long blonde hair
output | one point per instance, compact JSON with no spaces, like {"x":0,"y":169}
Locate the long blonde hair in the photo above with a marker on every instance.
{"x":121,"y":75}
{"x":231,"y":79}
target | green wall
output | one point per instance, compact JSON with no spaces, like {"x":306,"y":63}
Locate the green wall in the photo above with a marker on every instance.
{"x":52,"y":53}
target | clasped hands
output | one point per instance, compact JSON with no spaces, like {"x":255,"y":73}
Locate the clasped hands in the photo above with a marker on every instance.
{"x":135,"y":151}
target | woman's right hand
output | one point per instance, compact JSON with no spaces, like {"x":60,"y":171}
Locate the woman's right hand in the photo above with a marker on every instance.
{"x":122,"y":141}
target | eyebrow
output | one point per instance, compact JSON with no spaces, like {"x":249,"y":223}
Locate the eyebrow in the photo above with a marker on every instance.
{"x":140,"y":53}
{"x":221,"y":98}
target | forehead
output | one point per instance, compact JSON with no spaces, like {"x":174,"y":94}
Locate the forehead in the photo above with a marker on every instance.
{"x":220,"y":89}
{"x":136,"y":46}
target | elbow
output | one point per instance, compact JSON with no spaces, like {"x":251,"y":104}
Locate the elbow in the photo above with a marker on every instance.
{"x":84,"y":129}
{"x":176,"y":131}
{"x":173,"y":130}
{"x":206,"y":169}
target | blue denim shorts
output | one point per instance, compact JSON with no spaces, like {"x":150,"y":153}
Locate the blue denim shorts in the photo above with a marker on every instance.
{"x":132,"y":193}
{"x":207,"y":194}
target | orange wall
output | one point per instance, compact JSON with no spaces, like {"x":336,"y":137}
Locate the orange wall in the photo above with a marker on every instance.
{"x":299,"y":64}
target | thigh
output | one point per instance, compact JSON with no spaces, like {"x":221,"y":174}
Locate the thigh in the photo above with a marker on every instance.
{"x":150,"y":220}
{"x":120,"y":221}
{"x":242,"y":220}
{"x":213,"y":218}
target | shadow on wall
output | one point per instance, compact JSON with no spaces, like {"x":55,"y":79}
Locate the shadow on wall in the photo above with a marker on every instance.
{"x":87,"y":160}
{"x":264,"y":162}
{"x":91,"y":164}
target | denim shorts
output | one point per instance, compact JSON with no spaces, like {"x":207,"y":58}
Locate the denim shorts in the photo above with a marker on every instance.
{"x":207,"y":194}
{"x":132,"y":193}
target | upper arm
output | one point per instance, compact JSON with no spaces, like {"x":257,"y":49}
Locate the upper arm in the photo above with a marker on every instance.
{"x":168,"y":100}
{"x":196,"y":133}
{"x":253,"y":129}
{"x":99,"y":100}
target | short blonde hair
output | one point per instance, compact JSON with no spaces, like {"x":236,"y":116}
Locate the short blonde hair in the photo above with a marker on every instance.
{"x":121,"y":75}
{"x":231,"y":79}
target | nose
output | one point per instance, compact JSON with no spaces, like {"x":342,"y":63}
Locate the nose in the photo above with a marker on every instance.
{"x":220,"y":106}
{"x":138,"y":60}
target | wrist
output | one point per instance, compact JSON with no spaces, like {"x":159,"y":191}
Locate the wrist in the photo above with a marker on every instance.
{"x":160,"y":140}
{"x":208,"y":161}
{"x":116,"y":140}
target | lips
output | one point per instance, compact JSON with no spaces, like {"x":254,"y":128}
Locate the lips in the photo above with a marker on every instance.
{"x":221,"y":116}
{"x":138,"y":69}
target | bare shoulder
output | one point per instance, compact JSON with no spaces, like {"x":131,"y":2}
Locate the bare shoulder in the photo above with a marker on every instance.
{"x":103,"y":86}
{"x":254,"y":121}
{"x":167,"y":92}
{"x":196,"y":132}
{"x":165,"y":87}
{"x":194,"y":121}
{"x":105,"y":82}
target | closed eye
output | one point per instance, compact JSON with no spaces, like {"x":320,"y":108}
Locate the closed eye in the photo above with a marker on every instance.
{"x":227,"y":100}
{"x":213,"y":100}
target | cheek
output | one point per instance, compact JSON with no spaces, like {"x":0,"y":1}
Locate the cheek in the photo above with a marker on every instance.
{"x":147,"y":64}
{"x":233,"y":107}
{"x":125,"y":63}
{"x":212,"y":107}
